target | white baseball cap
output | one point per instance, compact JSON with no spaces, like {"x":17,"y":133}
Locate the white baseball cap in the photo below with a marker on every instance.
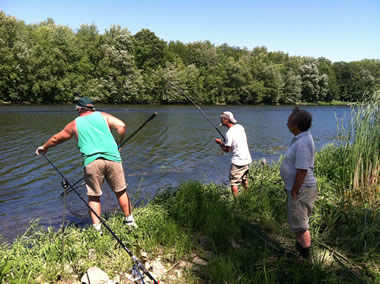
{"x":229,"y":115}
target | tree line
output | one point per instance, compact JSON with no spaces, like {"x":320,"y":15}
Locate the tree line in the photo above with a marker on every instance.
{"x":49,"y":63}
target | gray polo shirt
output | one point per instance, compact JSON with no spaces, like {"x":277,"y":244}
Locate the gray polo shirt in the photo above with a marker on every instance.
{"x":300,"y":155}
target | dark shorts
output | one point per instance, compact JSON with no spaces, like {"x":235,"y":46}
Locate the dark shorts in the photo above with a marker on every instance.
{"x":238,"y":174}
{"x":100,"y":169}
{"x":300,"y":210}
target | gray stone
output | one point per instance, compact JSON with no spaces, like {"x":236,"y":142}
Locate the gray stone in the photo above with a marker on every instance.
{"x":157,"y":268}
{"x":94,"y":275}
{"x":199,"y":261}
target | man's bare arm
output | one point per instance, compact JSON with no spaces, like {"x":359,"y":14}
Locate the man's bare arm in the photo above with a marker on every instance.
{"x":119,"y":125}
{"x":300,"y":176}
{"x":224,"y":147}
{"x":58,"y":138}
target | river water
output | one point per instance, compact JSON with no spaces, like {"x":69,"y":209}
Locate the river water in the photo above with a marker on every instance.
{"x":177,"y":145}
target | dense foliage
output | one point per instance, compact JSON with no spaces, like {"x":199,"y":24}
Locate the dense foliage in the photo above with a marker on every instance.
{"x":49,"y":63}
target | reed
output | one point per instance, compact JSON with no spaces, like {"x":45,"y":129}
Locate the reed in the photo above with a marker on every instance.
{"x":360,"y":158}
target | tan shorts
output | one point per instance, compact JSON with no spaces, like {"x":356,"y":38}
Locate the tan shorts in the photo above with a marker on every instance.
{"x":238,"y":174}
{"x":100,"y":169}
{"x":300,"y":210}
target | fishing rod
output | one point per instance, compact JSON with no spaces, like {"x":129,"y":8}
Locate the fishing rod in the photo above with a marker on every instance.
{"x":187,"y":97}
{"x":136,"y":262}
{"x":70,"y":188}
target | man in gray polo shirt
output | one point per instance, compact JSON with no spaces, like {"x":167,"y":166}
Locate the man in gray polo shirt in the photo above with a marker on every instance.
{"x":297,"y":173}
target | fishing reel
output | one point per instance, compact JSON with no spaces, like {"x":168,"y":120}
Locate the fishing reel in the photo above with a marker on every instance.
{"x":64,"y":183}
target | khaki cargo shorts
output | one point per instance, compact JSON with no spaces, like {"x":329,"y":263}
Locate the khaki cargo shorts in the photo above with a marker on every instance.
{"x":100,"y":169}
{"x":238,"y":174}
{"x":300,"y":210}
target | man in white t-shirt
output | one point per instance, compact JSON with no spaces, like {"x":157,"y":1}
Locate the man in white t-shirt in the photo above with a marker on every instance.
{"x":236,"y":142}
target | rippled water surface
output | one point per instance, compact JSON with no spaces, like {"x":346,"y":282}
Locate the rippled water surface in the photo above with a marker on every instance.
{"x":177,"y":145}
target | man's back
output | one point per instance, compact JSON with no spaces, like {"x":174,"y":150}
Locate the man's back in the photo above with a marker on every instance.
{"x":237,"y":140}
{"x":95,"y":140}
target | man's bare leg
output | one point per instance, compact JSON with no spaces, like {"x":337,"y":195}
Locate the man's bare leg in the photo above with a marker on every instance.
{"x":235,"y":189}
{"x":124,"y":202}
{"x":245,"y":184}
{"x":304,"y":238}
{"x":94,"y":203}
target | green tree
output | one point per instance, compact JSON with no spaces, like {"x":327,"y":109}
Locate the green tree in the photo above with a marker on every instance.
{"x":149,"y":50}
{"x":273,"y":83}
{"x":120,"y":80}
{"x":314,"y":85}
{"x":292,"y":88}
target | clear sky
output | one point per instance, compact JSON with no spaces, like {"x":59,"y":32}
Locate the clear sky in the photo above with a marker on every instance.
{"x":340,"y":30}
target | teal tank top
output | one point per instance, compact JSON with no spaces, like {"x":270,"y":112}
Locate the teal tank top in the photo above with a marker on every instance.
{"x":95,"y":139}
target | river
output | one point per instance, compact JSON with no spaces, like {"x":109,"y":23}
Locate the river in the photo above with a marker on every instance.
{"x":177,"y":145}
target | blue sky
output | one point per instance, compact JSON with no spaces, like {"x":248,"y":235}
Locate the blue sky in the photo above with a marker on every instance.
{"x":340,"y":30}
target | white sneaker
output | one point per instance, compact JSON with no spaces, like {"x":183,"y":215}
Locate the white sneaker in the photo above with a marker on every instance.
{"x":130,"y":222}
{"x":98,"y":228}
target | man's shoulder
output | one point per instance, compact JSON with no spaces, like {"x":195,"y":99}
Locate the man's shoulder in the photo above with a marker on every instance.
{"x":71,"y":126}
{"x":237,"y":128}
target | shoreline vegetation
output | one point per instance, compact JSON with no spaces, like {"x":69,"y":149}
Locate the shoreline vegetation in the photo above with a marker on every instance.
{"x":49,"y":63}
{"x":200,"y":233}
{"x":332,"y":103}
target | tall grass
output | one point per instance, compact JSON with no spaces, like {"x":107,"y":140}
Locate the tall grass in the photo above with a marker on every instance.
{"x":353,"y":163}
{"x":361,"y":163}
{"x":347,"y":212}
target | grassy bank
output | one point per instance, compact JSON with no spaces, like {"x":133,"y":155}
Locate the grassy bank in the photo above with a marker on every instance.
{"x":244,"y":239}
{"x":331,"y":103}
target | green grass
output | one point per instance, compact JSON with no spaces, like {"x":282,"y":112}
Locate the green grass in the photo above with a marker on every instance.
{"x":244,"y":239}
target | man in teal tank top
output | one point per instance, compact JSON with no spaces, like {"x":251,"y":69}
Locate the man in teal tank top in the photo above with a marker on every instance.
{"x":100,"y":153}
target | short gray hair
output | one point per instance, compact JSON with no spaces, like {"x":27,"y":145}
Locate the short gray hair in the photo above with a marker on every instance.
{"x":302,"y":118}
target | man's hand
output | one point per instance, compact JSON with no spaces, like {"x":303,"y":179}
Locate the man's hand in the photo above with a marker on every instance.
{"x":294,"y":194}
{"x":40,"y":150}
{"x":218,"y":141}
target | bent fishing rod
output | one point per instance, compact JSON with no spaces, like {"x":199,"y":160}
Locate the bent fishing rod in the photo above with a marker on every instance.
{"x":187,"y":97}
{"x":70,"y":188}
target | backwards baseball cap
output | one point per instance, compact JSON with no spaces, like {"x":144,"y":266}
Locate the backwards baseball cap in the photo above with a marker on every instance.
{"x":229,"y":115}
{"x":85,"y":102}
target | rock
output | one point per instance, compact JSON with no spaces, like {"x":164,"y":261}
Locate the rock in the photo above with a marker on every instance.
{"x":178,"y":273}
{"x":94,"y":275}
{"x":144,"y":255}
{"x":184,"y":264}
{"x":199,"y":261}
{"x":91,"y":253}
{"x":68,"y":269}
{"x":172,"y":277}
{"x":233,"y":243}
{"x":158,"y":268}
{"x":148,"y":266}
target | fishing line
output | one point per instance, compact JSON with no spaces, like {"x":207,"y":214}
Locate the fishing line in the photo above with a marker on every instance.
{"x":187,"y":97}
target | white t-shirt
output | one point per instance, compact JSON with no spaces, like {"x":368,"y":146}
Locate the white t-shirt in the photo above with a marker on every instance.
{"x":237,"y":140}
